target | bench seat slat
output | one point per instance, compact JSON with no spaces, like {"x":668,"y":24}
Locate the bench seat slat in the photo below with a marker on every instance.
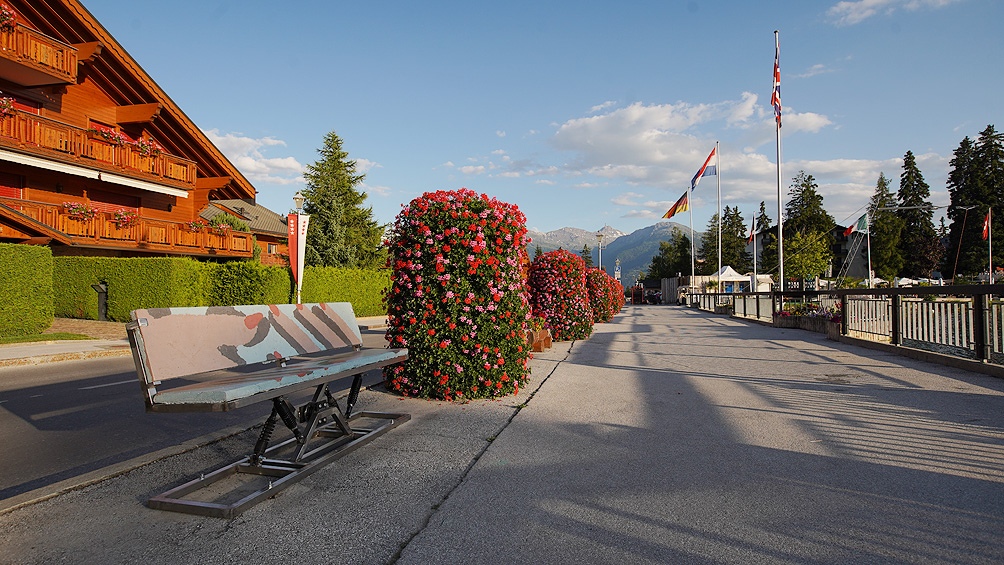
{"x":229,"y":385}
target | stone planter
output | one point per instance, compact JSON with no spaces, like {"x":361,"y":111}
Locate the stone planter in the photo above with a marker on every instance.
{"x":810,"y":323}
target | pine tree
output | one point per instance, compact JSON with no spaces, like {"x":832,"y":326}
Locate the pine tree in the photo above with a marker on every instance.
{"x":885,"y":228}
{"x":734,"y":241}
{"x":707,"y":263}
{"x":804,"y":212}
{"x":673,"y":257}
{"x":768,"y":241}
{"x":989,"y":156}
{"x":918,"y":244}
{"x":587,"y":256}
{"x":962,"y":191}
{"x":341,"y":233}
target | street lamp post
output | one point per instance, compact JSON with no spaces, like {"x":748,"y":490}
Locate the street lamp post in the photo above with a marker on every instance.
{"x":599,"y":247}
{"x":297,"y":225}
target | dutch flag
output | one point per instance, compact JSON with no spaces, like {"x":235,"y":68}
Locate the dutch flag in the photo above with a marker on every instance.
{"x":707,"y":170}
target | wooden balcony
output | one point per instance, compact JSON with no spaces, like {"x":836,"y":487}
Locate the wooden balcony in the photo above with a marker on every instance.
{"x":31,"y":59}
{"x":57,"y":141}
{"x":101,"y":231}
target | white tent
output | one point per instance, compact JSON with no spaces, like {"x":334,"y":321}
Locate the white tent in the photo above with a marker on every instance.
{"x":728,"y":274}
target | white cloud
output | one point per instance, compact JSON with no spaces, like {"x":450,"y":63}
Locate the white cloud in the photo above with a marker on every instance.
{"x":601,"y":107}
{"x":375,"y":189}
{"x":627,"y":199}
{"x":248,"y":155}
{"x":365,"y":165}
{"x":817,"y":69}
{"x":473,"y":169}
{"x":851,"y":12}
{"x":500,"y":133}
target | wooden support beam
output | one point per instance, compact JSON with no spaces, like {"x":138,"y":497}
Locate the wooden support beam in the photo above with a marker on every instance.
{"x":211,"y":183}
{"x":87,"y":52}
{"x":137,"y":113}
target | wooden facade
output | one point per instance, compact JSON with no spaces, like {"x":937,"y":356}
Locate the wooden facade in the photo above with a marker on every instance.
{"x":95,"y":158}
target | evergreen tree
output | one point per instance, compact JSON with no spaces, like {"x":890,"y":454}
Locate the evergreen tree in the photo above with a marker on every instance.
{"x":587,"y":256}
{"x":767,"y":241}
{"x":989,"y":156}
{"x":673,"y":257}
{"x":734,"y":241}
{"x":804,"y":211}
{"x":537,"y":252}
{"x":885,"y":227}
{"x":804,"y":214}
{"x":341,"y":233}
{"x":707,"y":263}
{"x":962,"y":190}
{"x":918,"y":242}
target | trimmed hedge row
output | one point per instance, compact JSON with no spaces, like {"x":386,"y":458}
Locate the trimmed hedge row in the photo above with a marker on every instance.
{"x":160,"y":282}
{"x":26,"y":280}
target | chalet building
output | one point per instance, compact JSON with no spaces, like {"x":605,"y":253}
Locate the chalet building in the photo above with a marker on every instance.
{"x":270,"y":229}
{"x":95,"y":158}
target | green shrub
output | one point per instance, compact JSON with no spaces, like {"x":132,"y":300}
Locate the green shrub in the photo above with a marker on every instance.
{"x":364,"y":288}
{"x":26,"y":280}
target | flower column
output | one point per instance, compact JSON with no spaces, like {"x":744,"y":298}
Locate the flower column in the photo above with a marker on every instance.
{"x":458,"y":297}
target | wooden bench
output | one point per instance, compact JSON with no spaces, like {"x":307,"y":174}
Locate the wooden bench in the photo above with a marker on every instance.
{"x":223,"y":358}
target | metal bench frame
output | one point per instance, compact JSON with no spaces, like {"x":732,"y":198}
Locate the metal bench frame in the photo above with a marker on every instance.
{"x":322,"y":430}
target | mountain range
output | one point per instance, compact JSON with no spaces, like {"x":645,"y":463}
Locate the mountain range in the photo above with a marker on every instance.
{"x":634,"y":250}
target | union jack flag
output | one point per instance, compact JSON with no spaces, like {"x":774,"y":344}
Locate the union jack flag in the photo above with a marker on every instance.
{"x":775,"y":97}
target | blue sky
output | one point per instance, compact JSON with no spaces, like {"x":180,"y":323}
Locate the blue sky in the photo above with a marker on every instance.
{"x":583,"y":114}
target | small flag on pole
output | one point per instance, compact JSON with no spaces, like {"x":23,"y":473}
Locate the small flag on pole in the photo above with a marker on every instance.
{"x":861,"y":225}
{"x":775,"y":97}
{"x":682,"y":205}
{"x":752,"y":231}
{"x":707,"y":169}
{"x":986,"y":226}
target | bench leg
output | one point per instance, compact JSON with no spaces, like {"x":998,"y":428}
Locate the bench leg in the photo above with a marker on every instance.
{"x":281,"y":408}
{"x":357,"y":382}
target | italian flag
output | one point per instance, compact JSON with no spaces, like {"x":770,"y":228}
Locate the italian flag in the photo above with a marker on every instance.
{"x":861,"y":225}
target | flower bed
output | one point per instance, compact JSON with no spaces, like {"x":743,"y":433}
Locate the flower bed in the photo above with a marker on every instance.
{"x":458,"y":297}
{"x":558,"y":293}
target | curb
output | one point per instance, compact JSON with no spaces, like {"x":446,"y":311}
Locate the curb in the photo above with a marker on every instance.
{"x":57,"y":357}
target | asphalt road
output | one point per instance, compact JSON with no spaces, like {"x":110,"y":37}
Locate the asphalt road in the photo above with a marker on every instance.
{"x":64,"y":422}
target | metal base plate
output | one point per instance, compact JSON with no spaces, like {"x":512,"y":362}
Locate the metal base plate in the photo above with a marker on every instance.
{"x":273,"y":474}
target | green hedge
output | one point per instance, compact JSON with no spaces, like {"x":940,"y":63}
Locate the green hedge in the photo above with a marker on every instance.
{"x":26,"y":279}
{"x":362,"y":287}
{"x":160,"y":282}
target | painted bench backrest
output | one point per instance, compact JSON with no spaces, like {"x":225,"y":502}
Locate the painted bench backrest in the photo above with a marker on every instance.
{"x":186,"y":341}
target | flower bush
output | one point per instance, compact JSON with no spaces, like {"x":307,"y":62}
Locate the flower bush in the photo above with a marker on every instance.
{"x":125,"y":219}
{"x":79,"y":211}
{"x":557,"y":282}
{"x":458,"y":297}
{"x":606,"y":295}
{"x":810,"y":310}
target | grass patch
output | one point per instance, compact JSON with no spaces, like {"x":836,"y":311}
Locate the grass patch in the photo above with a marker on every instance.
{"x":58,"y":336}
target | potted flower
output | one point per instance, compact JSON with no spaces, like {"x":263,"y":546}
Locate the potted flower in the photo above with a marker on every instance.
{"x":125,"y":219}
{"x":7,"y":19}
{"x":110,"y":135}
{"x":7,"y":109}
{"x":79,"y":211}
{"x":147,"y":146}
{"x":537,"y":334}
{"x":196,"y":225}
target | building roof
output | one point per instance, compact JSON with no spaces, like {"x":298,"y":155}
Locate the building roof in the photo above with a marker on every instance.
{"x":259,"y":218}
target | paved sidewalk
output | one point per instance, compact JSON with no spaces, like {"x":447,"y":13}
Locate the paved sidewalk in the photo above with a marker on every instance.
{"x":670,"y":436}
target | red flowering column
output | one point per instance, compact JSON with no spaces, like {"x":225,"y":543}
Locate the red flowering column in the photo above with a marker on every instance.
{"x":557,"y":282}
{"x":458,"y":297}
{"x":606,"y":295}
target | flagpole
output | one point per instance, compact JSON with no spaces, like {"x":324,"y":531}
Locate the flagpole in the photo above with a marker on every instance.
{"x":718,"y":174}
{"x":777,"y":133}
{"x":756,"y":285}
{"x":990,"y":242}
{"x":868,"y":243}
{"x":690,"y":206}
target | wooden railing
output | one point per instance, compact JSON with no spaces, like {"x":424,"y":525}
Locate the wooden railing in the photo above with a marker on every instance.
{"x":145,"y":234}
{"x":83,"y":147}
{"x":37,"y":51}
